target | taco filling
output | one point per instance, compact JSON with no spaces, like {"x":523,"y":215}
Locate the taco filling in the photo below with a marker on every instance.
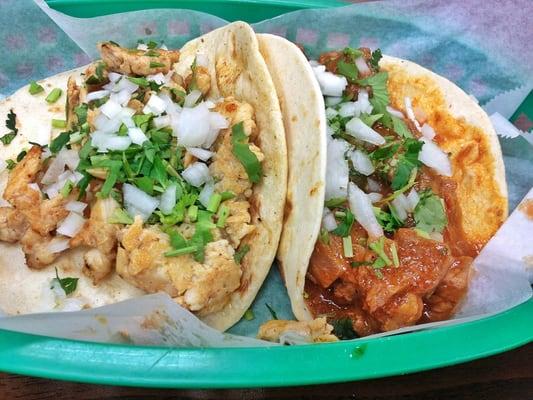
{"x":391,"y":251}
{"x":148,"y":173}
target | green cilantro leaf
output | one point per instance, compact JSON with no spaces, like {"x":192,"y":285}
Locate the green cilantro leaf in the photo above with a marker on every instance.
{"x":8,"y":138}
{"x":59,"y":142}
{"x":242,"y":151}
{"x":35,"y":88}
{"x":400,"y":127}
{"x":11,"y":124}
{"x":388,"y":221}
{"x":343,"y":329}
{"x":10,"y":164}
{"x":429,"y":213}
{"x":378,"y":82}
{"x":374,"y":60}
{"x":154,"y":64}
{"x":370,"y":119}
{"x":345,"y":226}
{"x":67,"y":284}
{"x":349,"y":70}
{"x":407,"y":162}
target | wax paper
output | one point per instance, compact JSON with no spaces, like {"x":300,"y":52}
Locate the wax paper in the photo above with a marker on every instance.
{"x":485,"y":47}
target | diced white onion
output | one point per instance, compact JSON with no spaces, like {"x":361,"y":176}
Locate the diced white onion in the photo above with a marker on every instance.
{"x":328,"y":220}
{"x":206,"y":193}
{"x":337,"y":172}
{"x":75,"y":206}
{"x":192,"y":98}
{"x":71,"y":158}
{"x":401,"y":206}
{"x":411,"y":113}
{"x":428,"y":131}
{"x":155,"y":105}
{"x":124,"y":84}
{"x":193,"y":126}
{"x":202,"y":60}
{"x":330,"y":84}
{"x":168,"y":199}
{"x":162,"y":121}
{"x":361,"y":162}
{"x":123,"y":97}
{"x":361,"y":131}
{"x":114,"y":77}
{"x":432,"y":156}
{"x":361,"y":206}
{"x":362,"y":66}
{"x":375,"y":197}
{"x":395,"y":112}
{"x":115,"y":142}
{"x":331,"y":113}
{"x":57,"y":166}
{"x":136,"y":135}
{"x":157,"y":78}
{"x":333,"y":101}
{"x":99,"y":94}
{"x":128,"y":122}
{"x":412,"y":199}
{"x":138,"y":202}
{"x":201,"y":154}
{"x":110,"y":109}
{"x":196,"y":174}
{"x":71,"y":225}
{"x":57,"y":245}
{"x":142,"y":47}
{"x":34,"y":186}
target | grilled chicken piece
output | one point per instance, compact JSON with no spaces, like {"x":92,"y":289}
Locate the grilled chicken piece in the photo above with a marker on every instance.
{"x":100,"y":237}
{"x":238,"y":222}
{"x":225,"y":165}
{"x":42,"y":215}
{"x":200,"y":78}
{"x":315,"y":331}
{"x":36,"y":248}
{"x":73,"y":100}
{"x":137,"y":62}
{"x":13,"y":225}
{"x":203,"y":287}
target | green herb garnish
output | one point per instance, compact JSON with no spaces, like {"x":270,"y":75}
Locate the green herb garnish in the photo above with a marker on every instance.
{"x":429,"y":213}
{"x":343,"y":329}
{"x":344,"y":228}
{"x":59,"y":142}
{"x":239,"y":254}
{"x":241,"y":150}
{"x":35,"y":88}
{"x":249,"y":315}
{"x":54,"y":95}
{"x":67,"y":284}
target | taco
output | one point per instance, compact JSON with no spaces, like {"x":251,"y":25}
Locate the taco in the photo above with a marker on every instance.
{"x":150,"y":170}
{"x":413,"y":187}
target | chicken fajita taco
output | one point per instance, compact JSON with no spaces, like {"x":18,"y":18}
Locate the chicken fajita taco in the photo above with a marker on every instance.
{"x":150,"y":170}
{"x":399,"y":188}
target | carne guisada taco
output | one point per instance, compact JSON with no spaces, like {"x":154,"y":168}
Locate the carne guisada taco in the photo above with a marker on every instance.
{"x":165,"y":172}
{"x":413,"y":188}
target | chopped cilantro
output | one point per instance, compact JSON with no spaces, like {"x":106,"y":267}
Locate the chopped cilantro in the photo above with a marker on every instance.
{"x":67,"y":284}
{"x":400,"y":127}
{"x":379,"y":248}
{"x":343,"y":329}
{"x":120,"y":216}
{"x":141,"y":81}
{"x":345,"y":226}
{"x":154,"y":64}
{"x":374,"y":60}
{"x":239,"y":254}
{"x":21,"y":155}
{"x":11,"y":124}
{"x":388,"y":221}
{"x":370,"y":119}
{"x":407,"y":162}
{"x":349,"y":70}
{"x":35,"y":88}
{"x":241,"y":150}
{"x":81,"y":113}
{"x":10,"y":164}
{"x":429,"y":213}
{"x":8,"y":138}
{"x":59,"y":142}
{"x":54,"y":95}
{"x":378,"y":82}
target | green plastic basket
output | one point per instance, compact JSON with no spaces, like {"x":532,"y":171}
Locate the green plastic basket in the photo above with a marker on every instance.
{"x":252,"y":367}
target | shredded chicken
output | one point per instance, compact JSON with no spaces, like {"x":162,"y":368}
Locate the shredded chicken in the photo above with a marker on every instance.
{"x":315,"y":331}
{"x":137,"y":62}
{"x":13,"y":225}
{"x":100,"y":237}
{"x":204,"y":287}
{"x":238,"y":222}
{"x":200,"y":78}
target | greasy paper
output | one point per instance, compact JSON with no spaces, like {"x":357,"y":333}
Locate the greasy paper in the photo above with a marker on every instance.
{"x":482,"y":46}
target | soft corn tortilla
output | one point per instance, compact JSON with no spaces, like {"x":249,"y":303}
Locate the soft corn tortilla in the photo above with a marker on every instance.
{"x":463,"y":130}
{"x":237,"y":69}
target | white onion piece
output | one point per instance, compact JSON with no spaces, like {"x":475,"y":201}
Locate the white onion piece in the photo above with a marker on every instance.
{"x":362,"y":66}
{"x":196,"y":174}
{"x":193,"y":126}
{"x":202,"y":60}
{"x":168,"y":200}
{"x":113,"y":76}
{"x":192,"y":98}
{"x":34,"y":186}
{"x":100,"y":121}
{"x":331,"y":113}
{"x":337,"y":172}
{"x":110,"y":109}
{"x":420,"y":114}
{"x":401,"y":205}
{"x":128,"y":122}
{"x":142,"y":47}
{"x":395,"y":112}
{"x":158,"y":78}
{"x":432,"y":156}
{"x":400,"y":212}
{"x":155,"y":105}
{"x":138,"y":202}
{"x":201,"y":154}
{"x":375,"y":197}
{"x":372,"y":185}
{"x":57,"y":245}
{"x":333,"y":101}
{"x":125,"y":84}
{"x":361,"y":162}
{"x":428,"y":131}
{"x":123,"y":97}
{"x":361,"y":206}
{"x":362,"y":105}
{"x":71,"y":225}
{"x":330,"y":84}
{"x":162,"y":121}
{"x":347,"y":109}
{"x":55,"y":169}
{"x":329,"y":132}
{"x":412,"y":198}
{"x":137,"y":136}
{"x":115,"y":142}
{"x":328,"y":220}
{"x":206,"y":193}
{"x":361,"y":131}
{"x":410,"y":112}
{"x":99,"y":94}
{"x":75,"y":206}
{"x":71,"y":158}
